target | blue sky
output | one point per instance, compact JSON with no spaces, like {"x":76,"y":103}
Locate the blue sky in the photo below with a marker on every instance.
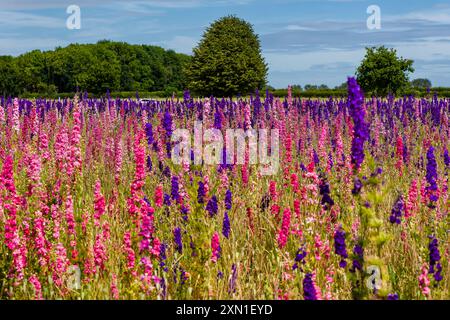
{"x":303,"y":41}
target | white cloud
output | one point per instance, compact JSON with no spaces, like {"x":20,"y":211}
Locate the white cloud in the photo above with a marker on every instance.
{"x":429,"y":50}
{"x":195,"y":3}
{"x":169,"y":4}
{"x":296,"y":27}
{"x":46,"y":4}
{"x":284,"y":62}
{"x":22,"y":19}
{"x":437,"y":14}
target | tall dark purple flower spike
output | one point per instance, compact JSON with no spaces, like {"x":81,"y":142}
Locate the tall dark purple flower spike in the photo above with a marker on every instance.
{"x":309,"y":290}
{"x":226,"y":226}
{"x":435,"y":258}
{"x":201,"y":192}
{"x":149,"y":133}
{"x":212,"y":206}
{"x":175,"y":188}
{"x":324,"y":188}
{"x":177,"y":239}
{"x":340,"y":247}
{"x":396,"y":213}
{"x":446,"y":158}
{"x":228,"y":200}
{"x":432,"y":176}
{"x":167,"y":123}
{"x":357,"y":112}
{"x":300,"y":258}
{"x":358,"y":260}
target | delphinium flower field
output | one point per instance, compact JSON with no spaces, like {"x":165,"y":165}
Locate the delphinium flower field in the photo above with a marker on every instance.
{"x":92,"y":206}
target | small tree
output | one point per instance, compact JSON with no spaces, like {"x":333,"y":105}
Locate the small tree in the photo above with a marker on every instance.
{"x":421,"y":83}
{"x":227,"y":60}
{"x":382,"y":71}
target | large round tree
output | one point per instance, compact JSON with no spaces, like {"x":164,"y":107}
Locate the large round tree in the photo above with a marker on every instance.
{"x":228,"y":60}
{"x":382,"y":71}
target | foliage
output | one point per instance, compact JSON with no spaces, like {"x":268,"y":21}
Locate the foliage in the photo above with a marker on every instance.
{"x":382,"y":71}
{"x":421,"y":83}
{"x":9,"y":73}
{"x":228,"y":60}
{"x":116,"y":66}
{"x":311,"y":87}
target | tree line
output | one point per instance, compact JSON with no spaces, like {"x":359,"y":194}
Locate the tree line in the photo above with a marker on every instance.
{"x":106,"y":65}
